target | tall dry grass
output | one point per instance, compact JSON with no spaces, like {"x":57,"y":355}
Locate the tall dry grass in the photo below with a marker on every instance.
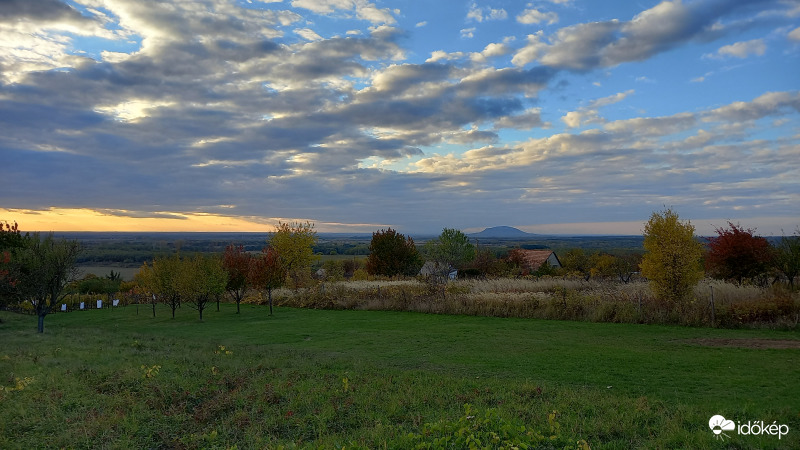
{"x":555,"y":298}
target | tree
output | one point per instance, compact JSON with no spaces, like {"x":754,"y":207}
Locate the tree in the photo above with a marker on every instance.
{"x":672,"y":259}
{"x":486,"y":263}
{"x":42,"y":269}
{"x":162,"y":280}
{"x":294,"y":245}
{"x":576,"y":261}
{"x":736,"y":254}
{"x":237,"y":264}
{"x":787,"y":257}
{"x":267,"y":272}
{"x":451,"y":250}
{"x":202,"y":279}
{"x":11,"y":238}
{"x":147,"y":285}
{"x":626,"y":265}
{"x":92,"y":284}
{"x":391,"y":253}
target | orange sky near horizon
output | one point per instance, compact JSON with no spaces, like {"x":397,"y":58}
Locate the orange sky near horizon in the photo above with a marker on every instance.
{"x":67,"y":219}
{"x":84,"y":219}
{"x":77,"y":219}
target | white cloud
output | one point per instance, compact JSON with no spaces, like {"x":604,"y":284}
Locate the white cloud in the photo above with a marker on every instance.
{"x":590,"y":113}
{"x":497,"y":14}
{"x":478,"y":14}
{"x":533,"y":16}
{"x":363,"y":9}
{"x":744,"y":49}
{"x":468,"y":33}
{"x":308,"y":34}
{"x":474,"y":13}
{"x":490,"y":51}
{"x":421,"y":24}
{"x":795,"y":34}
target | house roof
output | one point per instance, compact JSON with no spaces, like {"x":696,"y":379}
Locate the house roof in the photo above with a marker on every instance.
{"x":535,"y":258}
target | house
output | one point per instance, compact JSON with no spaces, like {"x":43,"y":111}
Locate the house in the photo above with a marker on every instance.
{"x":532,"y":260}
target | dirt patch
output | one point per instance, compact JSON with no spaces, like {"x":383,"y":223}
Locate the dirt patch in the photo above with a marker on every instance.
{"x":746,"y":343}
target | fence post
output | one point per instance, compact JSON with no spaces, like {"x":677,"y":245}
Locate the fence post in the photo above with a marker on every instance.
{"x":639,"y":297}
{"x":713,"y":312}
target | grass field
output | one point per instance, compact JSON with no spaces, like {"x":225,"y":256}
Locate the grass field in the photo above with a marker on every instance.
{"x":330,"y":379}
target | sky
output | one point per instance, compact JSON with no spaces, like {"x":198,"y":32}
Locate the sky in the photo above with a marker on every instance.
{"x":557,"y":116}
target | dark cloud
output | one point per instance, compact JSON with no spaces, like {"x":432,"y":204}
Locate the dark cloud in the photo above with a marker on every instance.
{"x":40,"y":11}
{"x":661,"y":28}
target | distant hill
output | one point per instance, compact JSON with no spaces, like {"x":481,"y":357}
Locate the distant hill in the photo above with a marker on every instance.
{"x":502,"y":232}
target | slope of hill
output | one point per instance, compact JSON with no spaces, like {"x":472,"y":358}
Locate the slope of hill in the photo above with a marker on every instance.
{"x":502,"y":232}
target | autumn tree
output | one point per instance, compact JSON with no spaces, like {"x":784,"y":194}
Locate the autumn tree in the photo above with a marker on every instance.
{"x":162,"y":279}
{"x":202,"y":279}
{"x":450,"y":250}
{"x":486,"y":263}
{"x":577,"y":262}
{"x":391,"y":253}
{"x":736,"y":254}
{"x":41,"y":269}
{"x":146,"y":285}
{"x":11,"y":238}
{"x":237,"y":264}
{"x":787,"y":257}
{"x":672,"y":259}
{"x":267,"y":272}
{"x":294,"y":244}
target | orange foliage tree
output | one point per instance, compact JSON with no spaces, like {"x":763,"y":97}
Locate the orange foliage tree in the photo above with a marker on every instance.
{"x":737,"y":254}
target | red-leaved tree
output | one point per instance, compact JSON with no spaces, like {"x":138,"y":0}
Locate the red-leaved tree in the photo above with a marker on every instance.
{"x":737,"y":254}
{"x":267,"y":272}
{"x":237,"y":264}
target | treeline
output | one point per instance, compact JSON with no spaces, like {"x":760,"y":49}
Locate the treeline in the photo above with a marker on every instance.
{"x":39,"y":271}
{"x":127,"y":253}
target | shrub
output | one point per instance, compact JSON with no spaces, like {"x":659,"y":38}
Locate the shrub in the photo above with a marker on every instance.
{"x":489,"y":430}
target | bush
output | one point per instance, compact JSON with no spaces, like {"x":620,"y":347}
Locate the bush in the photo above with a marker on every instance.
{"x":473,"y":430}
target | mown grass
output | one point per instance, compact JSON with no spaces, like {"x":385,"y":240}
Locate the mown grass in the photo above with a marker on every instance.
{"x":118,"y":379}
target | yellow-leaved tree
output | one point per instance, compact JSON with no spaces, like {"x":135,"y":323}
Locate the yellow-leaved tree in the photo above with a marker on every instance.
{"x":294,"y":245}
{"x":672,"y":257}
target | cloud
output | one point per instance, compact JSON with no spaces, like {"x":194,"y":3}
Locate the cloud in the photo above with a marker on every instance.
{"x":486,"y":13}
{"x":363,"y":9}
{"x":534,"y":16}
{"x":43,"y":11}
{"x":587,"y":46}
{"x":769,"y":104}
{"x":468,"y":33}
{"x":589,"y":113}
{"x":191,"y":107}
{"x":794,"y":34}
{"x":308,"y":34}
{"x":744,"y":49}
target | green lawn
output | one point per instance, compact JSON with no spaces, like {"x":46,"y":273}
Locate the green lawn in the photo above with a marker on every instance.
{"x":365,"y":378}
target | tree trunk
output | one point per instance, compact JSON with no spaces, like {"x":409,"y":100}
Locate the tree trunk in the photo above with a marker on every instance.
{"x":237,"y":305}
{"x":269,"y":294}
{"x":201,"y":313}
{"x":154,"y":310}
{"x":41,"y":323}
